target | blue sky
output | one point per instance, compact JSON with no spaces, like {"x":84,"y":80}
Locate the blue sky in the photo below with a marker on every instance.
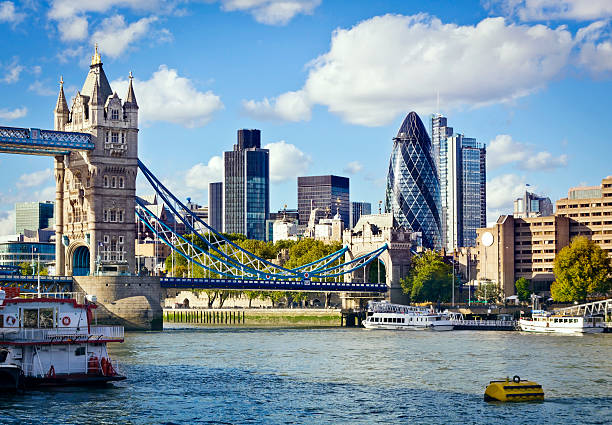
{"x":327,"y":81}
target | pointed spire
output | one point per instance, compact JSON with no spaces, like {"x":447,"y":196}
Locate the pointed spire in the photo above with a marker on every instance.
{"x":96,"y":98}
{"x":131,"y":97}
{"x":96,"y":59}
{"x":62,"y":105}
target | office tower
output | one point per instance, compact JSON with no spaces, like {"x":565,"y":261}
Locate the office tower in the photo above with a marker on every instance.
{"x":326,"y":193}
{"x":215,"y":206}
{"x":246,"y":191}
{"x":462,"y":173}
{"x":33,"y":216}
{"x":413,"y":188}
{"x":439,"y":132}
{"x":532,"y":205}
{"x":357,"y":210}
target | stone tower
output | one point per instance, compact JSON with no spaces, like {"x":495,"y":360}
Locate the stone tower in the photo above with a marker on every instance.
{"x":95,"y":190}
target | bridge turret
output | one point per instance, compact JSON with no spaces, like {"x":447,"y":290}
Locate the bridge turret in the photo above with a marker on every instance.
{"x":96,"y":106}
{"x":130,"y":106}
{"x":61,"y":112}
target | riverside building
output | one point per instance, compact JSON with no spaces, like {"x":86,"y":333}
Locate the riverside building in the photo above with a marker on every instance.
{"x":33,"y":216}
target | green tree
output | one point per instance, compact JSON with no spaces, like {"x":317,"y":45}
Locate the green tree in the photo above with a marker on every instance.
{"x":252,"y":295}
{"x":581,"y":269}
{"x":489,"y":292}
{"x":430,"y":278}
{"x":522,"y":289}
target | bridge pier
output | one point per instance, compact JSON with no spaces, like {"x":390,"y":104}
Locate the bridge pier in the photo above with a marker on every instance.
{"x":134,"y":302}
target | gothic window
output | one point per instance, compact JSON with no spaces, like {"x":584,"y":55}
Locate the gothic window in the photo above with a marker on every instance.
{"x":121,"y":182}
{"x":105,"y":181}
{"x":120,"y":239}
{"x":114,"y":114}
{"x":113,"y":216}
{"x":114,"y":137}
{"x":105,"y":220}
{"x":106,"y":239}
{"x":122,"y":137}
{"x":120,"y":214}
{"x":114,"y":182}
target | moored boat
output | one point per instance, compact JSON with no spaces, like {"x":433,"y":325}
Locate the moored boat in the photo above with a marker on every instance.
{"x":52,"y":342}
{"x":546,"y":322}
{"x":384,"y":315}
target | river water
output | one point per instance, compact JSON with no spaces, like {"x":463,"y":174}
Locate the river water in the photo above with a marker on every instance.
{"x":334,"y":376}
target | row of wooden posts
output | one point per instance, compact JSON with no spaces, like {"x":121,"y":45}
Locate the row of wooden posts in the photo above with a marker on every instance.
{"x":205,"y":316}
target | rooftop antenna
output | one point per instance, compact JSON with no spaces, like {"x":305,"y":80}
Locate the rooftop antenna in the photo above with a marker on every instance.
{"x":438,"y":102}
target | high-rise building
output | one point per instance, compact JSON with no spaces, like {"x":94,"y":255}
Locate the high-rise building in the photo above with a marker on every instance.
{"x":33,"y":216}
{"x":439,"y":132}
{"x":246,"y":184}
{"x":532,"y":205}
{"x":215,"y":206}
{"x":357,"y":210}
{"x":413,"y":188}
{"x":327,"y":193}
{"x":462,"y":171}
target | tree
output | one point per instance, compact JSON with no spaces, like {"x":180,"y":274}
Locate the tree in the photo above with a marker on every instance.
{"x":489,"y":292}
{"x":522,"y":289}
{"x":580,"y":269}
{"x":430,"y":278}
{"x":252,"y":295}
{"x":26,"y":269}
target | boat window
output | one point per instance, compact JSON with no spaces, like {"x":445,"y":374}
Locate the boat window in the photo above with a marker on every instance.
{"x":1,"y":320}
{"x":30,"y":318}
{"x":46,"y":318}
{"x":3,"y":355}
{"x":80,"y":351}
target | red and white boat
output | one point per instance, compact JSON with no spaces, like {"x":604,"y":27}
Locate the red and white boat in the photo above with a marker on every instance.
{"x":52,"y":342}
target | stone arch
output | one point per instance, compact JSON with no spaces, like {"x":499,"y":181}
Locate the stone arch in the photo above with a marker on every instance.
{"x":80,"y":261}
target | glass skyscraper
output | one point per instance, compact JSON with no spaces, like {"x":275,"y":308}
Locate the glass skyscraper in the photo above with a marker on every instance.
{"x":413,"y":188}
{"x":328,"y":193}
{"x":358,"y":209}
{"x":215,"y":206}
{"x":246,"y":186}
{"x":33,"y":216}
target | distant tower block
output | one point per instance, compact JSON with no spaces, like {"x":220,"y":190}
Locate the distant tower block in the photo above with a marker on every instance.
{"x":95,"y":219}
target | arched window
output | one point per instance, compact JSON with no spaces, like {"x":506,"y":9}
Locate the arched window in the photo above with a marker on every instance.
{"x":105,"y":220}
{"x":113,"y":216}
{"x":121,"y":182}
{"x":114,"y":182}
{"x":114,"y":114}
{"x":105,"y":181}
{"x":120,"y":213}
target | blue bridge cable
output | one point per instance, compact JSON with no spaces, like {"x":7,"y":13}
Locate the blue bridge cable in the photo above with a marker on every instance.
{"x":157,"y":185}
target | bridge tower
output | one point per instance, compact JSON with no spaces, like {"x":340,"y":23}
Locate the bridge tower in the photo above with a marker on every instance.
{"x":371,"y":232}
{"x":94,"y":210}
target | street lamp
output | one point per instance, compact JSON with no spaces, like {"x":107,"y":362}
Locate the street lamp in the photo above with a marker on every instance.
{"x":35,"y":249}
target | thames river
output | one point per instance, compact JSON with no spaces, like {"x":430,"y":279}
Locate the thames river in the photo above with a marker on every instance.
{"x":334,"y":376}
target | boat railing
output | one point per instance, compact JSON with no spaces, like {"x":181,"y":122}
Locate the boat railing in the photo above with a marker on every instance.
{"x":96,"y":333}
{"x":485,"y":323}
{"x":79,"y":297}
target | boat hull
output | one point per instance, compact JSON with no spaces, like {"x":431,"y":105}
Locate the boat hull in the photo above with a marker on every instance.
{"x":527,"y":327}
{"x":11,"y":378}
{"x":71,"y":380}
{"x":395,"y":327}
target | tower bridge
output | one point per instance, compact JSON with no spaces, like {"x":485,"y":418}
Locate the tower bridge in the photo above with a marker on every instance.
{"x":95,"y":148}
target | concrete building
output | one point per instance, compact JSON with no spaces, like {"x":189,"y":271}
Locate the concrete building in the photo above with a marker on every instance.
{"x":283,"y":215}
{"x":246,"y":184}
{"x":329,"y":229}
{"x":33,"y":216}
{"x":326,"y":193}
{"x":285,"y":230}
{"x":532,"y":205}
{"x":215,"y":206}
{"x":357,"y":210}
{"x":95,"y":191}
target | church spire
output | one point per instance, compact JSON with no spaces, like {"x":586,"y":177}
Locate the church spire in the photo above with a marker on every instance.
{"x":131,"y":97}
{"x":96,"y":98}
{"x":62,"y":105}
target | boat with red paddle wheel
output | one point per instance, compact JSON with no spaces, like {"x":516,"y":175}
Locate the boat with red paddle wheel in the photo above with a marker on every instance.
{"x":50,"y":341}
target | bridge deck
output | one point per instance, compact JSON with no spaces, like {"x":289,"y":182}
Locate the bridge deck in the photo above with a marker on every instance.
{"x":33,"y":141}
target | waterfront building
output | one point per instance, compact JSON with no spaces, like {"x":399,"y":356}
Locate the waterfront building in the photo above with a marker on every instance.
{"x":532,"y":205}
{"x":413,"y":188}
{"x":215,"y":206}
{"x":358,"y":209}
{"x":246,"y":186}
{"x":326,"y":193}
{"x":462,"y":172}
{"x":15,"y":250}
{"x":33,"y":216}
{"x":439,"y":132}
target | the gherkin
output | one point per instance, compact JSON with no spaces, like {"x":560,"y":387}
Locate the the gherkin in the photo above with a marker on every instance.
{"x":413,"y":188}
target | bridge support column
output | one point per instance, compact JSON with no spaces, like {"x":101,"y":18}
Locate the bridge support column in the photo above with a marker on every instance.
{"x":60,"y":261}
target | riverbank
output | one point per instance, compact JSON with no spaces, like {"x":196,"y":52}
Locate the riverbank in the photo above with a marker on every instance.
{"x":255,"y":317}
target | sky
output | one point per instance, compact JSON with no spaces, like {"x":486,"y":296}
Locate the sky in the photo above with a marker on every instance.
{"x":328,"y":83}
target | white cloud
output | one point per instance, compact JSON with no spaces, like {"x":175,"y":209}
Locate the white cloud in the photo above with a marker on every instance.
{"x":545,"y":10}
{"x":272,"y":12}
{"x":291,"y":106}
{"x":74,"y":28}
{"x":501,"y":193}
{"x":286,"y":161}
{"x":200,"y":175}
{"x":391,"y":64}
{"x":12,"y":72}
{"x":8,"y":13}
{"x":504,"y":150}
{"x":353,"y":167}
{"x":35,"y":178}
{"x":115,"y":35}
{"x":168,"y":97}
{"x":40,"y":89}
{"x":7,"y":114}
{"x":595,"y":51}
{"x":7,"y":223}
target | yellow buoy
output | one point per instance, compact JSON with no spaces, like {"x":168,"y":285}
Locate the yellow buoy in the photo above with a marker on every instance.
{"x":515,"y":390}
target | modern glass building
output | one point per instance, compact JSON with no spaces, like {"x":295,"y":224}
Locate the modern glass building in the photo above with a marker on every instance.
{"x":33,"y":216}
{"x":357,"y":210}
{"x":328,"y":193}
{"x":215,"y":206}
{"x":439,"y":132}
{"x":413,"y":188}
{"x":246,"y":186}
{"x":462,"y":171}
{"x":14,"y":253}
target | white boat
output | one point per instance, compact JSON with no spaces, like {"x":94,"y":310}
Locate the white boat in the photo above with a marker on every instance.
{"x":547,"y":322}
{"x":384,"y":315}
{"x":52,"y":342}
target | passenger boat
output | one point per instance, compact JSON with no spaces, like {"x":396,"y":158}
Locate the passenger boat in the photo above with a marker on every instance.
{"x":51,"y":342}
{"x":384,"y":315}
{"x":547,"y":322}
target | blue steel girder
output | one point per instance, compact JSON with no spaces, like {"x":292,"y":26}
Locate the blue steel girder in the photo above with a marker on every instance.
{"x":34,"y":141}
{"x":270,"y":285}
{"x":30,"y":283}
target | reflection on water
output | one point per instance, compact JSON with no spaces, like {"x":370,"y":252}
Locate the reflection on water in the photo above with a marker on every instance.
{"x":334,"y":376}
